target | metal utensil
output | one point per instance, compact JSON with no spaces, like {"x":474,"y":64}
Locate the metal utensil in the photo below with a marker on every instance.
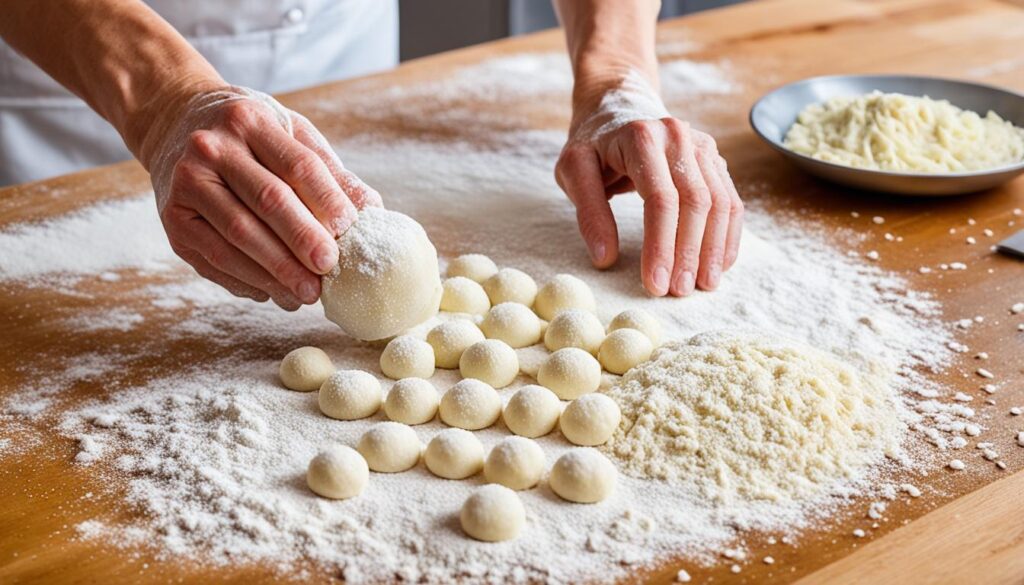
{"x":774,"y":113}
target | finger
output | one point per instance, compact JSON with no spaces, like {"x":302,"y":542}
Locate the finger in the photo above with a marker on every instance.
{"x":579,"y":174}
{"x":277,"y":206}
{"x":694,"y":204}
{"x":647,"y":166}
{"x":360,"y":194}
{"x":712,"y":253}
{"x":225,"y":280}
{"x":736,"y":210}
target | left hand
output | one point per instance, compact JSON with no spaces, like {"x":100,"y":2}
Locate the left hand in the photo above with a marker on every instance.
{"x":693,"y":215}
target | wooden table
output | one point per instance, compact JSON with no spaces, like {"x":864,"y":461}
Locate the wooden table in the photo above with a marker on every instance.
{"x":970,"y":530}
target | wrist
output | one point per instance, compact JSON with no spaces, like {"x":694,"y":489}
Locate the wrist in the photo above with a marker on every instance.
{"x":597,"y":76}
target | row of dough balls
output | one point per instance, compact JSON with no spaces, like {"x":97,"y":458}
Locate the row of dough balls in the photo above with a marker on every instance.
{"x":492,"y":513}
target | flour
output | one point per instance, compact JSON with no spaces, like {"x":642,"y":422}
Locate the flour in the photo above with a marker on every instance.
{"x":212,"y":454}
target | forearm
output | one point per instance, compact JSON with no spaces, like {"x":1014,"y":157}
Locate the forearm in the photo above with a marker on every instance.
{"x":608,"y":40}
{"x":119,"y":56}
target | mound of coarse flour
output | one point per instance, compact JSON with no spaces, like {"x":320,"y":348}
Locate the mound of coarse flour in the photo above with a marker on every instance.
{"x":745,"y":415}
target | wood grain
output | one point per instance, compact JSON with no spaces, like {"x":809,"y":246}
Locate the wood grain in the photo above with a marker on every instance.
{"x":965,"y":528}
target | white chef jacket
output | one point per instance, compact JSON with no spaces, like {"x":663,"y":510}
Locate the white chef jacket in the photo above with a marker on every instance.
{"x":269,"y":45}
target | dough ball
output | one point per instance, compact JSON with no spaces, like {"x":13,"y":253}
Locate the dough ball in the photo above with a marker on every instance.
{"x":450,"y":339}
{"x":305,"y":369}
{"x":462,"y":295}
{"x":493,"y":513}
{"x":490,"y":360}
{"x":570,"y":373}
{"x":532,"y":411}
{"x":583,"y":475}
{"x":454,"y":454}
{"x":390,"y":447}
{"x":475,"y":267}
{"x":407,"y":357}
{"x":513,"y":323}
{"x":386,"y":280}
{"x":516,"y":463}
{"x":470,"y":404}
{"x":338,"y":472}
{"x":640,"y":320}
{"x":350,"y":395}
{"x":509,"y":285}
{"x":590,"y":420}
{"x":574,"y":328}
{"x":412,"y":401}
{"x":564,"y":291}
{"x":623,"y":349}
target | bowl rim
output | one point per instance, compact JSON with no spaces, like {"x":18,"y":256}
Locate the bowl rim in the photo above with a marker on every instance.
{"x":1015,"y":167}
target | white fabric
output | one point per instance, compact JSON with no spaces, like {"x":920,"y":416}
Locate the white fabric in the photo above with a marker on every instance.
{"x":269,"y":45}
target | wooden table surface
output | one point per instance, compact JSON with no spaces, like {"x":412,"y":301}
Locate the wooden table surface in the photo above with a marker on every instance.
{"x":966,"y":528}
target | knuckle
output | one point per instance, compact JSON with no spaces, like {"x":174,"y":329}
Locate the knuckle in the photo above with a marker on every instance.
{"x":303,"y":167}
{"x":285,"y":269}
{"x":661,"y":203}
{"x":306,"y":238}
{"x":270,"y":199}
{"x":640,"y":134}
{"x":237,"y":230}
{"x":239,"y":114}
{"x":736,"y":208}
{"x":204,"y":144}
{"x":697,"y":199}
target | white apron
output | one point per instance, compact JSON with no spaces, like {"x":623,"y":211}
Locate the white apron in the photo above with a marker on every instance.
{"x":269,"y":45}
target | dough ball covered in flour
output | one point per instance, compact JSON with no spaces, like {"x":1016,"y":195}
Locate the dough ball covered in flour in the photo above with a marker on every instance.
{"x":350,"y":395}
{"x":509,"y":285}
{"x":564,"y":291}
{"x":532,"y":411}
{"x":338,"y":472}
{"x":513,"y":323}
{"x":470,"y":404}
{"x":475,"y":267}
{"x":407,"y":357}
{"x":574,"y":328}
{"x":590,"y":420}
{"x":462,"y":295}
{"x":624,"y":349}
{"x":390,"y":447}
{"x":305,"y":369}
{"x":583,"y":475}
{"x":493,"y":513}
{"x":386,"y":280}
{"x":412,"y":401}
{"x":516,"y":463}
{"x":570,"y":373}
{"x":450,"y":339}
{"x":640,"y":320}
{"x":454,"y":454}
{"x":491,"y":361}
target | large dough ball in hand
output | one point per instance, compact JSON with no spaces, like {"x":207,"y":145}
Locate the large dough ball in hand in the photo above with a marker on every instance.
{"x":386,"y":280}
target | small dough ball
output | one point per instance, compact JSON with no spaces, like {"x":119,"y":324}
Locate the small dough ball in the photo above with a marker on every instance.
{"x":623,"y":349}
{"x":490,"y":360}
{"x":590,"y":420}
{"x":475,"y":267}
{"x":412,"y":401}
{"x":570,"y":373}
{"x":450,"y":339}
{"x":574,"y":328}
{"x":493,"y":513}
{"x":470,"y":404}
{"x":454,"y":454}
{"x":513,"y":323}
{"x":516,"y":463}
{"x":338,"y":472}
{"x":532,"y":411}
{"x":407,"y":357}
{"x":640,"y":320}
{"x":583,"y":475}
{"x":462,"y":295}
{"x":305,"y":369}
{"x":564,"y":291}
{"x":350,"y":395}
{"x":509,"y":285}
{"x":386,"y":280}
{"x":390,"y":447}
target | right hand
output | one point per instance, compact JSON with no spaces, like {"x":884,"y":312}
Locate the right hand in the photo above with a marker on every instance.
{"x":252,"y":195}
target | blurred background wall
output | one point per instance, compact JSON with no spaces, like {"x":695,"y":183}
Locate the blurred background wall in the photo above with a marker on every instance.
{"x":432,"y":26}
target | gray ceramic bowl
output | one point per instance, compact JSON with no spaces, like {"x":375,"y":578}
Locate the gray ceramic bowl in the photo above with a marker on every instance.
{"x":774,"y":113}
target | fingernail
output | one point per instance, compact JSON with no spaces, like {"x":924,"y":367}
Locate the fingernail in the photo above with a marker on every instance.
{"x":661,"y":279}
{"x":597,"y":253}
{"x":685,"y":282}
{"x":325,"y":257}
{"x":307,"y":292}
